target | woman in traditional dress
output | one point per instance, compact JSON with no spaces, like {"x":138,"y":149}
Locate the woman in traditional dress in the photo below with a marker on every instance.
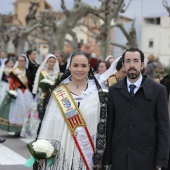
{"x":48,"y":70}
{"x":75,"y":117}
{"x":102,"y":67}
{"x":5,"y":70}
{"x":13,"y":112}
{"x":114,"y":78}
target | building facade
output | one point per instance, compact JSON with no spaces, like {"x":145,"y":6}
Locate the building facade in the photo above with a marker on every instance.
{"x":153,"y":37}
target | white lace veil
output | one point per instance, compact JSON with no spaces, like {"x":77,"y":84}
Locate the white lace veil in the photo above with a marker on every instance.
{"x":41,"y":67}
{"x":26,"y":66}
{"x":2,"y":68}
{"x":108,"y":57}
{"x":112,"y":70}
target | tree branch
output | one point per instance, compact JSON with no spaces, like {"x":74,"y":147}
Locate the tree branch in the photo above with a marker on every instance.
{"x":120,"y":25}
{"x":119,"y":45}
{"x":63,"y":7}
{"x":124,"y":10}
{"x":165,"y":4}
{"x":40,"y":37}
{"x":28,"y":30}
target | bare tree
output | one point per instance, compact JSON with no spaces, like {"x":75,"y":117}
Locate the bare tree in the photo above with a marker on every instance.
{"x":167,"y":7}
{"x":4,"y":31}
{"x":4,"y":36}
{"x":32,"y":12}
{"x":55,"y":30}
{"x":111,"y":18}
{"x":69,"y":21}
{"x":20,"y":33}
{"x":129,"y":35}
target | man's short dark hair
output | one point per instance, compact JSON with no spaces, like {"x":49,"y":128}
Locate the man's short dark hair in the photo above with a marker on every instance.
{"x":134,"y":50}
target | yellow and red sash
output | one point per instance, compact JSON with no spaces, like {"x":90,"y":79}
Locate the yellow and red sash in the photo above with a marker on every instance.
{"x":112,"y":79}
{"x":76,"y":123}
{"x":20,"y":75}
{"x":46,"y":75}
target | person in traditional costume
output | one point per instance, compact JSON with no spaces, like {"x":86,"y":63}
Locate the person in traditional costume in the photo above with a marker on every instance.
{"x":110,"y":59}
{"x":48,"y":70}
{"x":14,"y":111}
{"x":110,"y":77}
{"x":102,"y":67}
{"x":5,"y":70}
{"x":114,"y":78}
{"x":75,"y":117}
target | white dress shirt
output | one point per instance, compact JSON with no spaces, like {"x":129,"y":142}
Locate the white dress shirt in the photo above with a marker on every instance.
{"x":137,"y":84}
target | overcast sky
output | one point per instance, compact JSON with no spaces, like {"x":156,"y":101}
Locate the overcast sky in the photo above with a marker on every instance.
{"x":137,"y":8}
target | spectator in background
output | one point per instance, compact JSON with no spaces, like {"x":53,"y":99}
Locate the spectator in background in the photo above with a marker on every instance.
{"x":12,"y":115}
{"x":5,"y":70}
{"x":49,"y":69}
{"x":110,"y":59}
{"x":88,"y":49}
{"x":94,"y":62}
{"x":102,"y":67}
{"x":166,"y":82}
{"x":150,"y":69}
{"x":32,"y":66}
{"x":62,"y":59}
{"x":118,"y":75}
{"x":159,"y":69}
{"x":2,"y":57}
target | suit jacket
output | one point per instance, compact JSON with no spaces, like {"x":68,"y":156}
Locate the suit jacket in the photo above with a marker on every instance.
{"x":137,"y":135}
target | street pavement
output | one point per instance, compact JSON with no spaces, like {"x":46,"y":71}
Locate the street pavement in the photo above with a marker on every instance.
{"x":13,"y":152}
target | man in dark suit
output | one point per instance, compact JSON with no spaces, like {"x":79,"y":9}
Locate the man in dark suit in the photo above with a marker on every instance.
{"x":137,"y":133}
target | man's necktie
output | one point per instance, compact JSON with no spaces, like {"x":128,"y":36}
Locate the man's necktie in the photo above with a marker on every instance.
{"x":132,"y":87}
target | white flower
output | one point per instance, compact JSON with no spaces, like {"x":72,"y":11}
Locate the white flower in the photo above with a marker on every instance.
{"x":105,"y":90}
{"x":42,"y":145}
{"x":12,"y":93}
{"x":47,"y":81}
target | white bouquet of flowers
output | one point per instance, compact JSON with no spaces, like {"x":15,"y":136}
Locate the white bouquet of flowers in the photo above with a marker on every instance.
{"x":41,"y":150}
{"x":12,"y":94}
{"x":45,"y":84}
{"x":47,"y":81}
{"x":105,"y":91}
{"x":42,"y":145}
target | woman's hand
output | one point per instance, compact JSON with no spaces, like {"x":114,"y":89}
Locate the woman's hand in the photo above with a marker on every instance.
{"x":40,"y":163}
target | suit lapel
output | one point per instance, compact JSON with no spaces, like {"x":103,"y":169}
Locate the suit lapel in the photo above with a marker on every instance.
{"x":122,"y":86}
{"x":147,"y":87}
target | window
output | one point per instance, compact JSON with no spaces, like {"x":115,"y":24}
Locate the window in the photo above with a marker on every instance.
{"x":151,"y":43}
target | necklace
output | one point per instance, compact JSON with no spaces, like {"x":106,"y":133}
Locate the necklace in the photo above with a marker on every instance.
{"x":77,"y":86}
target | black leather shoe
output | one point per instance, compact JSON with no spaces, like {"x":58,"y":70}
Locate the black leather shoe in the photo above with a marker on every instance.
{"x":17,"y":134}
{"x":2,"y":140}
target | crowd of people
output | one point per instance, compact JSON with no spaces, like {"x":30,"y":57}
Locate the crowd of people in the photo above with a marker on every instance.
{"x":97,"y":114}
